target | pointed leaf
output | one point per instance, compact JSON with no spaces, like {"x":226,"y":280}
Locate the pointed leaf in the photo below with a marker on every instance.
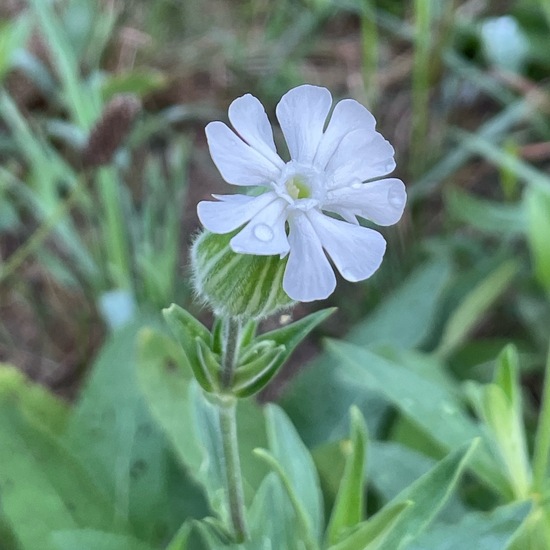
{"x":295,"y":460}
{"x":254,"y":376}
{"x":348,"y":509}
{"x":207,"y":368}
{"x":291,"y":335}
{"x":431,"y":406}
{"x":370,"y":534}
{"x":186,"y":329}
{"x":429,"y":493}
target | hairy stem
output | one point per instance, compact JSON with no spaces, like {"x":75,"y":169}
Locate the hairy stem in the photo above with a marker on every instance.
{"x":227,"y":407}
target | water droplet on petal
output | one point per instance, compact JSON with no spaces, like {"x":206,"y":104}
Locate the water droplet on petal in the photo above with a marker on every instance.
{"x":356,"y":186}
{"x":263,"y":232}
{"x":395,"y":197}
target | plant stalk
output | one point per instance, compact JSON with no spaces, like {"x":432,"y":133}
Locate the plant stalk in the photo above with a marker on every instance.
{"x":227,"y":407}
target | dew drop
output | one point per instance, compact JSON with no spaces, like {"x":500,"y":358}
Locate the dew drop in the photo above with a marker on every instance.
{"x":263,"y":232}
{"x":356,"y":186}
{"x":394,"y":197}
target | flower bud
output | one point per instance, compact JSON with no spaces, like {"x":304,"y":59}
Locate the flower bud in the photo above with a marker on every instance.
{"x":237,"y":285}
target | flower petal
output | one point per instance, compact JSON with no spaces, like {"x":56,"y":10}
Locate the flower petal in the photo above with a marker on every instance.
{"x":302,"y":113}
{"x":232,"y":212}
{"x":308,"y":274}
{"x":248,"y":117}
{"x":381,"y":201}
{"x":361,"y":155}
{"x":265,"y":233}
{"x":237,"y":162}
{"x":348,"y":115}
{"x":356,"y":251}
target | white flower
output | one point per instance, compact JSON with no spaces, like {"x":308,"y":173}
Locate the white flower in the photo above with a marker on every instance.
{"x":333,"y":168}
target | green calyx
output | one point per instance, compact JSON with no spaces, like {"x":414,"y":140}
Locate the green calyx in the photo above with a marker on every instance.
{"x":235,"y":285}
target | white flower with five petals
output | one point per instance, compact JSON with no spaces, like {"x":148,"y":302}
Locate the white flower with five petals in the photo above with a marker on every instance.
{"x":335,"y":167}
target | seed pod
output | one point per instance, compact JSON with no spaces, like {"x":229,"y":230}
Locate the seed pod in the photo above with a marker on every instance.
{"x":110,"y":130}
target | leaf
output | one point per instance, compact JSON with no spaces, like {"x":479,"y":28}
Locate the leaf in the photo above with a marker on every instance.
{"x":44,"y":487}
{"x":291,"y":335}
{"x":475,"y":306}
{"x":490,"y":531}
{"x":348,"y":509}
{"x":114,"y":434}
{"x":139,"y":82}
{"x":296,"y":462}
{"x":89,"y":539}
{"x":405,"y":319}
{"x":38,"y":405}
{"x":499,"y":405}
{"x":186,"y":330}
{"x":13,"y":35}
{"x":371,"y":534}
{"x":538,"y":208}
{"x":431,"y":406}
{"x":429,"y":493}
{"x":490,"y":217}
{"x":178,"y":406}
{"x":318,"y":399}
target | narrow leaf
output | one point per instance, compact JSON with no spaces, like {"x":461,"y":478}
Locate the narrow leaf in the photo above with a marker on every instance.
{"x":348,"y":508}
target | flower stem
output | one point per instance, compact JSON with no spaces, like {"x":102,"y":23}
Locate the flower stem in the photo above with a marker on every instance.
{"x":233,"y":476}
{"x":227,"y":407}
{"x":541,"y":453}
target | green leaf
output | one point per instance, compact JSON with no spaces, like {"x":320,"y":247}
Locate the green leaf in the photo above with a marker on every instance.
{"x":429,"y":494}
{"x":114,"y":434}
{"x":499,"y":405}
{"x":181,"y":538}
{"x":255,"y":375}
{"x":177,"y":405}
{"x":371,"y":534}
{"x":297,"y":464}
{"x":538,"y":209}
{"x":475,"y":305}
{"x":490,"y":217}
{"x":273,"y":517}
{"x":44,"y":487}
{"x":38,"y":405}
{"x":291,"y":335}
{"x":139,"y":82}
{"x":318,"y":400}
{"x":406,"y":317}
{"x":430,"y":405}
{"x":186,"y":329}
{"x":13,"y":35}
{"x":348,"y":509}
{"x":89,"y":539}
{"x":490,"y":530}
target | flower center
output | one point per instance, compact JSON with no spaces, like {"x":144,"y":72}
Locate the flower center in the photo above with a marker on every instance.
{"x":297,"y":188}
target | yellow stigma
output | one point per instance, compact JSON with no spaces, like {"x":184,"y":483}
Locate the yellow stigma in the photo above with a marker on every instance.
{"x":297,"y":188}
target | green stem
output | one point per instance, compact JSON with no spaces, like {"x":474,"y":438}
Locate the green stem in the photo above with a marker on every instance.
{"x":232,"y":467}
{"x":541,"y":453}
{"x":231,"y":339}
{"x":227,"y":406}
